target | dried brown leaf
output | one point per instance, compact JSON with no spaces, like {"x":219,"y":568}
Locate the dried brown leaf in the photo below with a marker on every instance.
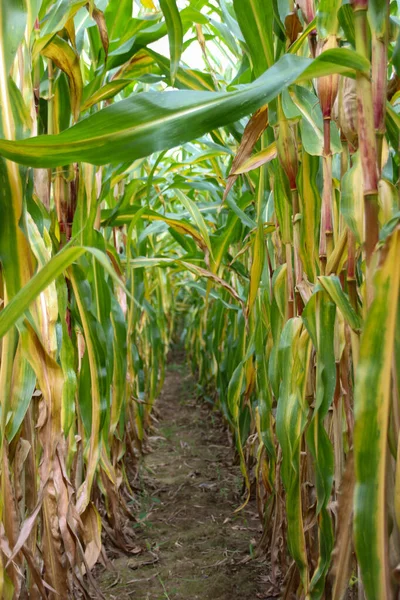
{"x":33,"y":569}
{"x":293,"y":27}
{"x":251,"y":135}
{"x":26,"y":528}
{"x":98,"y":16}
{"x":10,"y":520}
{"x":91,"y":534}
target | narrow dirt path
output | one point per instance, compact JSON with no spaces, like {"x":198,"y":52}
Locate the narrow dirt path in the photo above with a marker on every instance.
{"x":191,"y":545}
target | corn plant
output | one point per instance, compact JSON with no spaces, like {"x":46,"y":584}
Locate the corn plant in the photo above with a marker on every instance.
{"x":259,"y":200}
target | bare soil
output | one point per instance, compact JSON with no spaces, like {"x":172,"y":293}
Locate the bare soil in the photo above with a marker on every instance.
{"x":190,"y":543}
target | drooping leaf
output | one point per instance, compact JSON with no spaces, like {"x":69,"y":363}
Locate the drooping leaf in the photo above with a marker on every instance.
{"x":66,"y":58}
{"x":149,"y":122}
{"x":254,"y":128}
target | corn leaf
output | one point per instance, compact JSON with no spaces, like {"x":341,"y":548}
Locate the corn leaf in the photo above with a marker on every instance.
{"x":372,"y":407}
{"x":255,"y":19}
{"x":175,"y":33}
{"x":148,"y":122}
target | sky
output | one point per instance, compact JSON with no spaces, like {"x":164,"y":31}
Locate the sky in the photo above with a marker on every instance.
{"x":193,"y":56}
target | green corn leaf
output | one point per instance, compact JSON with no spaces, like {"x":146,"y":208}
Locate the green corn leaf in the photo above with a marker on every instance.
{"x":265,"y":400}
{"x":295,"y":47}
{"x":378,"y":13}
{"x":39,"y":282}
{"x":311,"y":214}
{"x":327,"y":21}
{"x":24,"y":382}
{"x":125,"y":215}
{"x":312,"y":123}
{"x":118,"y":15}
{"x":258,"y":252}
{"x":139,"y":33}
{"x":255,"y":19}
{"x":120,"y":365}
{"x":258,"y":247}
{"x":372,"y":406}
{"x":149,"y":122}
{"x":196,"y":216}
{"x":97,"y":396}
{"x":346,"y":21}
{"x":228,"y":234}
{"x":175,"y":33}
{"x":58,"y":15}
{"x":319,"y":319}
{"x":352,"y":201}
{"x":143,"y":262}
{"x":235,"y":393}
{"x":239,"y":212}
{"x":11,"y":12}
{"x":291,"y":420}
{"x":282,"y":204}
{"x":109,"y":90}
{"x":333,"y":287}
{"x":67,"y":359}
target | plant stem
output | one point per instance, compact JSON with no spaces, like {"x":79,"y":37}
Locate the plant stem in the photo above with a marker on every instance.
{"x":367,"y":140}
{"x":380,"y":41}
{"x":326,"y":235}
{"x":351,"y":239}
{"x":298,"y":267}
{"x":289,"y":266}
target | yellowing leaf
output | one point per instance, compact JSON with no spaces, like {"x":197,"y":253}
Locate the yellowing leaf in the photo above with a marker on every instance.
{"x":66,"y":59}
{"x":372,"y":407}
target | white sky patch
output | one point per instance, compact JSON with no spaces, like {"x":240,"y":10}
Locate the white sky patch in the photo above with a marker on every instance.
{"x":192,"y":56}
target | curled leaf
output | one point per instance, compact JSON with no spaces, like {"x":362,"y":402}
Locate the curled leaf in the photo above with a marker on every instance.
{"x":251,"y":135}
{"x":66,"y":59}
